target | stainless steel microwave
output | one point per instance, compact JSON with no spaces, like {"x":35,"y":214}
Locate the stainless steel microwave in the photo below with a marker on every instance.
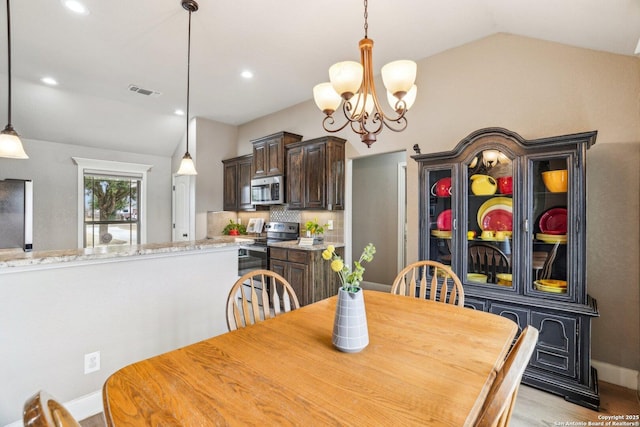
{"x":267,"y":191}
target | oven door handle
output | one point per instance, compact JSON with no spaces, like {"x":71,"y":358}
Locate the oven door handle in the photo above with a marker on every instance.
{"x":253,"y":248}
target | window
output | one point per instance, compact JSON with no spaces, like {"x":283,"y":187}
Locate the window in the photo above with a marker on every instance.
{"x":112,"y":203}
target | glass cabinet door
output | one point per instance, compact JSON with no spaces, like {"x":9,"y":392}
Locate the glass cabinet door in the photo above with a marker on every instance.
{"x":489,"y":235}
{"x":550,"y":229}
{"x":439,"y":215}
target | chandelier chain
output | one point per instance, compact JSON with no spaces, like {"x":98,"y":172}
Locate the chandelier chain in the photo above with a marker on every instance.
{"x":366,"y":15}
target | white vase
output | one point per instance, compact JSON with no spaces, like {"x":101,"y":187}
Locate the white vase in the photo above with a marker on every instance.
{"x":350,"y":333}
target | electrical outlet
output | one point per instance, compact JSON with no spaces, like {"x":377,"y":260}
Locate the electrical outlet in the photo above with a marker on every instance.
{"x":91,"y":362}
{"x":330,"y":224}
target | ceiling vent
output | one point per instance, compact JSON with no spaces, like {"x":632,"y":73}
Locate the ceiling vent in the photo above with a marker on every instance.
{"x":142,"y":91}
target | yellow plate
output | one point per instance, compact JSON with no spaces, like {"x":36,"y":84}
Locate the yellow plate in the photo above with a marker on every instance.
{"x":552,"y":238}
{"x":506,"y":202}
{"x":477,"y":277}
{"x":552,"y":289}
{"x":552,"y":282}
{"x":441,"y":234}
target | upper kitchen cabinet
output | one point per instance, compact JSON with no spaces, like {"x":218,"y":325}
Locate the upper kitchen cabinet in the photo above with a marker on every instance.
{"x":315,"y":174}
{"x":237,"y":183}
{"x":509,"y":216}
{"x":269,"y":155}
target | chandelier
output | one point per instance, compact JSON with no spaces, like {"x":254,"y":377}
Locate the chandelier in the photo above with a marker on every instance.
{"x":10,"y":144}
{"x":353,"y":83}
{"x":186,"y":165}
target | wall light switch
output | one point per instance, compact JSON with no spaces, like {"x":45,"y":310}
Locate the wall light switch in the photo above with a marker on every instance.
{"x":330,"y":224}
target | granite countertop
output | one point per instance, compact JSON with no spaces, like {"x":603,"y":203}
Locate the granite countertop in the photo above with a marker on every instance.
{"x":22,"y":259}
{"x":293,"y":244}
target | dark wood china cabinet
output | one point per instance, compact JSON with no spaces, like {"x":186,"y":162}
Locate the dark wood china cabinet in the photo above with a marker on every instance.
{"x":509,"y":216}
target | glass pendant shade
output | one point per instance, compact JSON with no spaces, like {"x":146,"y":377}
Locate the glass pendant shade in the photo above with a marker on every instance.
{"x":399,"y":76}
{"x":408,"y":99}
{"x":326,"y":98}
{"x":10,"y":145}
{"x":346,"y":78}
{"x":186,"y":166}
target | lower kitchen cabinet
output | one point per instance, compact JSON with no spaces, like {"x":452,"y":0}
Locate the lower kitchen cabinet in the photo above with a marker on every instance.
{"x":310,"y":276}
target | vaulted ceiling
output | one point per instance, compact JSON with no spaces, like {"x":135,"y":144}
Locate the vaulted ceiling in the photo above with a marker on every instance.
{"x":287,"y":44}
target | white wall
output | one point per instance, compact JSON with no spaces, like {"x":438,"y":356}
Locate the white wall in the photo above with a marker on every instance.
{"x":129,"y":309}
{"x":55,"y":190}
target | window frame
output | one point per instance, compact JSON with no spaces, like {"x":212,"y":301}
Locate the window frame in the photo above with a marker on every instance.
{"x":133,"y":170}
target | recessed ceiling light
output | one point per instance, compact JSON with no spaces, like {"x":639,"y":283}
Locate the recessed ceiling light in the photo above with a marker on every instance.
{"x":75,"y":6}
{"x":179,"y":113}
{"x":247,"y":74}
{"x":49,"y":81}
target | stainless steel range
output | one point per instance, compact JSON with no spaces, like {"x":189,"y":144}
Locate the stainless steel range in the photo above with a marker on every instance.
{"x":256,"y":256}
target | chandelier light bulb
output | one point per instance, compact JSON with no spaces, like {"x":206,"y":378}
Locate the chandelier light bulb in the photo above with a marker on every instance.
{"x":358,"y":101}
{"x":409,"y":99}
{"x":399,"y":76}
{"x":326,"y":98}
{"x":346,"y":78}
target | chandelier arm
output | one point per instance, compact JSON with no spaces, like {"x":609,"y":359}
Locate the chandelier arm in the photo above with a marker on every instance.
{"x":402,"y":122}
{"x":329,"y":121}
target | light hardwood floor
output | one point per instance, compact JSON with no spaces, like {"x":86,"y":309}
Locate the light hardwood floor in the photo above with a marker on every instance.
{"x":537,"y":408}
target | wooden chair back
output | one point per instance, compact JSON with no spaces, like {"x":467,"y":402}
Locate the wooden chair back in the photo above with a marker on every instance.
{"x":498,"y":406}
{"x":41,"y":410}
{"x":487,"y":259}
{"x":259,"y":295}
{"x":428,"y":279}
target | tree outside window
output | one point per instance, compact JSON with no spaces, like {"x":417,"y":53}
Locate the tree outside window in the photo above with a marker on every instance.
{"x":111,"y":210}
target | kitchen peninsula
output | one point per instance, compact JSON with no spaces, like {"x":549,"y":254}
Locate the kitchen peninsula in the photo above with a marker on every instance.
{"x":128,"y":304}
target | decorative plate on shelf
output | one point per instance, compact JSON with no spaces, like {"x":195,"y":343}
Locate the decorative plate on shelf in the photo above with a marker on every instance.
{"x":444,"y":220}
{"x":554,"y":221}
{"x":552,"y":238}
{"x":442,"y":234}
{"x":497,"y":220}
{"x":546,"y":288}
{"x":495,"y":203}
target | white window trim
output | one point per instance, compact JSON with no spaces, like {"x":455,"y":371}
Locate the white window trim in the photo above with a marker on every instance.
{"x":107,"y":166}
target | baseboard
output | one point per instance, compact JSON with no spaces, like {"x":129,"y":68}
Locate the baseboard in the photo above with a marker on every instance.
{"x":81,"y":408}
{"x":617,"y":375}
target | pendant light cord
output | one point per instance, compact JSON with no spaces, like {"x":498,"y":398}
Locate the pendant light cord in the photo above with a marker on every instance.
{"x":188,"y":75}
{"x":9,"y":64}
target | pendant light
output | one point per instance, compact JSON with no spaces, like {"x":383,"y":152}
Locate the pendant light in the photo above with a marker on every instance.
{"x":10,"y":144}
{"x":186,"y":165}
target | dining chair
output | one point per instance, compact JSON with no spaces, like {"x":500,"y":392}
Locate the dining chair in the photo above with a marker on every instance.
{"x":41,"y":410}
{"x":429,"y":279}
{"x":259,"y":295}
{"x":488,"y":259}
{"x":499,"y":404}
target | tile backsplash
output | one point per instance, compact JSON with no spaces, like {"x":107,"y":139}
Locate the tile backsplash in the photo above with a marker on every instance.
{"x":216,"y":221}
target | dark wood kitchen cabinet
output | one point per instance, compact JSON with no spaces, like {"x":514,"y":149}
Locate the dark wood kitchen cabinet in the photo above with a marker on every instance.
{"x":237,"y":183}
{"x":309,"y":275}
{"x":315,"y":174}
{"x":269,"y":155}
{"x":522,"y":202}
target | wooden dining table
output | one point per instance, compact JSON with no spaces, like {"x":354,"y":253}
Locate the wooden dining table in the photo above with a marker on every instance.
{"x":427,"y":363}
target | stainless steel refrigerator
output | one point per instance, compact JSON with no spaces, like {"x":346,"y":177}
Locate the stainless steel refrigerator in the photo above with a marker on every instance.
{"x":16,"y":214}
